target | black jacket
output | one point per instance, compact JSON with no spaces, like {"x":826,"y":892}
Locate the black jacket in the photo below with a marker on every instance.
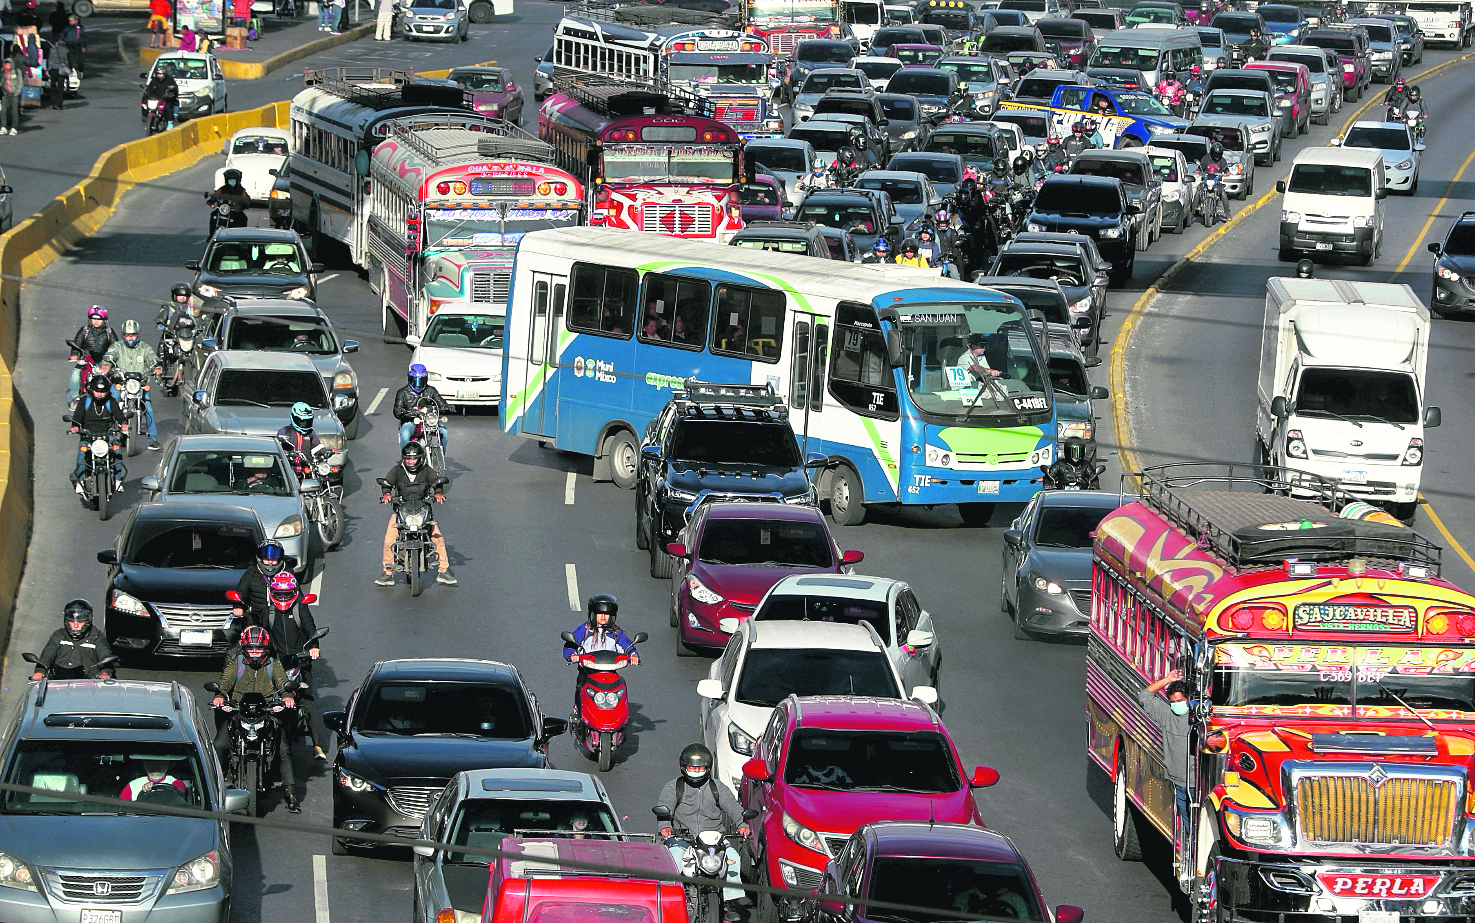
{"x":289,"y":633}
{"x":405,"y":402}
{"x":95,"y":417}
{"x":62,"y":651}
{"x":401,"y":477}
{"x":95,"y":340}
{"x":255,"y":598}
{"x":162,"y":87}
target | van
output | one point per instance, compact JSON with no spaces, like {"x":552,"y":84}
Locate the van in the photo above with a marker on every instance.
{"x":1333,"y":203}
{"x":1156,"y":52}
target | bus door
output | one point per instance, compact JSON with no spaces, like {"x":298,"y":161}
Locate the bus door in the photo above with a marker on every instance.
{"x":545,"y":327}
{"x":809,"y":352}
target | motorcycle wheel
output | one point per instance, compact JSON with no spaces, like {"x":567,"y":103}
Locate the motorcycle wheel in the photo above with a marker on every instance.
{"x":415,"y":584}
{"x":330,"y":523}
{"x":606,"y":751}
{"x":131,"y":445}
{"x":711,"y":907}
{"x":251,"y":782}
{"x":437,"y":457}
{"x":101,"y":487}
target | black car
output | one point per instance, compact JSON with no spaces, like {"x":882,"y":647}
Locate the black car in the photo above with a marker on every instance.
{"x":1454,"y":268}
{"x":937,"y":91}
{"x":1097,"y":206}
{"x":255,"y":263}
{"x":1073,"y":389}
{"x":168,"y":573}
{"x":1047,"y":562}
{"x":903,"y":121}
{"x":1245,"y":31}
{"x":816,"y":53}
{"x":863,"y":213}
{"x":413,"y":724}
{"x":727,"y":441}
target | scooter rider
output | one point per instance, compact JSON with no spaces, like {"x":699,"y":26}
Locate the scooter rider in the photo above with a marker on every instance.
{"x":817,"y":178}
{"x":271,"y":560}
{"x":96,"y":414}
{"x":134,"y":355}
{"x":697,"y":803}
{"x":407,"y":400}
{"x":94,"y":338}
{"x":162,"y":85}
{"x":254,"y":669}
{"x":880,"y":252}
{"x":1397,"y":96}
{"x":1214,"y":166}
{"x":599,"y":633}
{"x":290,"y":625}
{"x":412,"y":469}
{"x":76,"y":645}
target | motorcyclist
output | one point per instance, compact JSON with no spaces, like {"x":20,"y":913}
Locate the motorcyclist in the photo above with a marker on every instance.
{"x":134,"y":355}
{"x":299,"y":433}
{"x":1078,"y":141}
{"x":1305,"y":269}
{"x":1213,"y":165}
{"x":1170,"y":92}
{"x":271,"y":559}
{"x":1053,"y":156}
{"x":412,"y":469}
{"x":96,"y":414}
{"x":1397,"y":96}
{"x":1417,"y":106}
{"x":177,"y":305}
{"x":254,"y":669}
{"x":93,"y":339}
{"x":1195,"y":81}
{"x":75,"y":647}
{"x":697,"y":803}
{"x":231,"y":191}
{"x":599,"y":633}
{"x":928,"y":247}
{"x":162,"y":85}
{"x":818,"y":177}
{"x":1074,"y":466}
{"x":909,"y":255}
{"x":407,"y":402}
{"x":291,"y":625}
{"x":880,"y":252}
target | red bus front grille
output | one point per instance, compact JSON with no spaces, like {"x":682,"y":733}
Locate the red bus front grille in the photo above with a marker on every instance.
{"x":784,"y":42}
{"x":694,"y":220}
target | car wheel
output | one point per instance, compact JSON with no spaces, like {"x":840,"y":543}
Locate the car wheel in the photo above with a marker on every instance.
{"x":681,"y":649}
{"x":976,"y":515}
{"x":642,"y":541}
{"x":1285,"y":254}
{"x":340,"y":846}
{"x":351,"y":428}
{"x":660,"y":563}
{"x":1004,"y":605}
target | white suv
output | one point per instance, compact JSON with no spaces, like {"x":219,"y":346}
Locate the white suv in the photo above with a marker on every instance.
{"x":766,"y":662}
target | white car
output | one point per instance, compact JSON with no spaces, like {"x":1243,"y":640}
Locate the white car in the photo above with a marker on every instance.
{"x":764,"y":663}
{"x":202,"y":88}
{"x":1180,"y":187}
{"x":1401,"y":154}
{"x":462,"y":352}
{"x":256,"y":152}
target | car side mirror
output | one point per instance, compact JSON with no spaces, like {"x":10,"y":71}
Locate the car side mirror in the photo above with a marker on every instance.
{"x":816,"y":460}
{"x":236,"y":801}
{"x":1092,"y":361}
{"x":192,"y":264}
{"x":1334,"y":142}
{"x":538,"y":59}
{"x":107,"y":556}
{"x":1013,"y":538}
{"x":6,"y":190}
{"x":757,"y":770}
{"x":1435,"y":247}
{"x":1280,"y":186}
{"x":1065,"y":913}
{"x":893,"y":349}
{"x":678,"y":550}
{"x":919,"y":639}
{"x":1382,"y":192}
{"x":851,"y":558}
{"x":150,"y":483}
{"x":651,"y":453}
{"x":274,"y":172}
{"x":552,"y":727}
{"x":1278,"y":407}
{"x":1420,"y":146}
{"x":335,"y":721}
{"x":983,"y":777}
{"x":927,"y":695}
{"x":710,"y":689}
{"x":198,"y":397}
{"x":1432,"y":417}
{"x":316,"y":267}
{"x":1098,"y":393}
{"x":423,"y":850}
{"x":350,"y":346}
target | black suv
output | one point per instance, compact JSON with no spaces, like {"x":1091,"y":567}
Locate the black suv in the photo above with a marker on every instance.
{"x":1097,"y":206}
{"x":732,"y":442}
{"x":1454,"y":268}
{"x":256,"y":263}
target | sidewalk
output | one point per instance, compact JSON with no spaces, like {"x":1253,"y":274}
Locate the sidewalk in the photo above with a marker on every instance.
{"x":281,"y":42}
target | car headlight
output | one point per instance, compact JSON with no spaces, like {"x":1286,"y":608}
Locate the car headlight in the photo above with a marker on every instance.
{"x":739,"y":740}
{"x":1045,"y":586}
{"x":1348,"y":68}
{"x":1083,"y":429}
{"x":1173,"y":195}
{"x":1257,"y":829}
{"x":700,"y":593}
{"x":1290,"y":217}
{"x":1035,"y":228}
{"x":203,"y":92}
{"x":334,"y":441}
{"x":1295,"y":445}
{"x":1237,"y":169}
{"x":1161,"y":129}
{"x":802,"y":109}
{"x":297,"y":294}
{"x":1111,"y":233}
{"x":125,"y":603}
{"x":1447,"y":274}
{"x":488,"y":108}
{"x":802,"y":835}
{"x":1414,"y":454}
{"x":356,"y":783}
{"x":345,"y":380}
{"x":196,"y":875}
{"x":1259,"y":129}
{"x":15,"y":873}
{"x":291,"y":527}
{"x":680,"y":496}
{"x":908,"y":135}
{"x":1405,"y":165}
{"x":1362,"y":221}
{"x":1382,"y":56}
{"x":1082,"y":307}
{"x":209,"y":291}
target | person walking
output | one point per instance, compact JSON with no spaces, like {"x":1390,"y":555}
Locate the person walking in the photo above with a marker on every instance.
{"x":74,"y":36}
{"x":57,"y":72}
{"x":12,"y":80}
{"x":340,"y":17}
{"x":57,"y":20}
{"x":384,"y":22}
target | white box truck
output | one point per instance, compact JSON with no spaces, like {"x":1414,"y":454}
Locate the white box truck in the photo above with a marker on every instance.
{"x":1341,"y":388}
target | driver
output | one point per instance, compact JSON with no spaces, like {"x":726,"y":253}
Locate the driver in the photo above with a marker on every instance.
{"x":976,"y":363}
{"x":695,"y":803}
{"x":155,"y":777}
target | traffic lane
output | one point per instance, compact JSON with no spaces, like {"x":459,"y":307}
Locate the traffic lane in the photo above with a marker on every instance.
{"x":1195,"y":361}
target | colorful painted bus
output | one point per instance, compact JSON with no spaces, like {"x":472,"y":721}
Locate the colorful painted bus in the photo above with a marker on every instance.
{"x":783,"y":24}
{"x":603,"y":326}
{"x":447,"y":207}
{"x":652,"y":157}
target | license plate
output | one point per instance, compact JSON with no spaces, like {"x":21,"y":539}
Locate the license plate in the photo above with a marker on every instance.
{"x":1354,"y":477}
{"x":116,"y":916}
{"x":194,"y":638}
{"x":1323,"y":245}
{"x":1363,"y":916}
{"x":988,"y":487}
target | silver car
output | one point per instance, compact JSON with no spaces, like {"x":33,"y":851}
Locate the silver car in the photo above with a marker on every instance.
{"x":249,"y":471}
{"x":1257,"y":109}
{"x":435,"y":20}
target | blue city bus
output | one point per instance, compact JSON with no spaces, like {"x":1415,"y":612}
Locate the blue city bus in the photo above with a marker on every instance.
{"x":874,"y":361}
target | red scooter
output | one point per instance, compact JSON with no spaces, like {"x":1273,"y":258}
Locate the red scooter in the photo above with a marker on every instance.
{"x":604,"y":708}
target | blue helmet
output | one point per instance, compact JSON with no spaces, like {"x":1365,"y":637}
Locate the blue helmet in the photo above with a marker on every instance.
{"x":881,"y":246}
{"x":418,"y":378}
{"x":301,"y":417}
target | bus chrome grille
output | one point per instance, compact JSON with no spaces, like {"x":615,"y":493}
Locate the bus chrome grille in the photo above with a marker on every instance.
{"x":490,"y":287}
{"x":683,"y":220}
{"x":782,"y":43}
{"x":1375,"y":808}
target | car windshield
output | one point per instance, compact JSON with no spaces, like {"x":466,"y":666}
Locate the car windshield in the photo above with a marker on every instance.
{"x":1098,"y":19}
{"x":970,"y":889}
{"x":1142,"y":59}
{"x":925,"y":55}
{"x":824,"y":52}
{"x":594,"y":910}
{"x":876,"y":70}
{"x":480,"y":823}
{"x":1316,"y":676}
{"x":100,"y":767}
{"x":190,"y":545}
{"x":1288,"y":14}
{"x":842,"y":105}
{"x":1068,"y":375}
{"x":1047,"y":301}
{"x":1065,"y":30}
{"x":779,"y":159}
{"x":1283,"y":81}
{"x":254,"y":258}
{"x":899,"y":15}
{"x":1060,"y":526}
{"x":1329,"y":179}
{"x":875,"y":761}
{"x":1166,"y":168}
{"x":1141,"y":104}
{"x":1235,"y":104}
{"x":919,"y":83}
{"x":949,"y":19}
{"x":1061,"y":269}
{"x":944,"y":377}
{"x":1024,"y":6}
{"x":689,"y":72}
{"x":734,"y":442}
{"x":1035,"y":127}
{"x":770,"y":675}
{"x":899,"y":109}
{"x":432,"y":4}
{"x":839,"y":216}
{"x":281,"y":334}
{"x":183,"y":69}
{"x":1382,"y":139}
{"x":885,"y":38}
{"x":466,"y":331}
{"x":270,"y":388}
{"x":825,"y":609}
{"x":478,"y":81}
{"x":450,"y":708}
{"x":1461,"y":239}
{"x":902,"y":191}
{"x":1232,"y":24}
{"x":1314,"y":63}
{"x":773,"y":244}
{"x":937,"y":169}
{"x":1231,"y":138}
{"x":1039,"y":87}
{"x":765,"y":543}
{"x":206,"y":472}
{"x":865,"y":14}
{"x":1150,"y":14}
{"x":1378,"y":33}
{"x":819,"y":83}
{"x":1208,"y":39}
{"x":1131,"y":174}
{"x":967,"y":72}
{"x":1068,"y":198}
{"x":819,"y":137}
{"x":1005,"y":42}
{"x":1359,"y":394}
{"x":1345,"y":46}
{"x":757,"y":194}
{"x":259,"y":144}
{"x":974,"y":148}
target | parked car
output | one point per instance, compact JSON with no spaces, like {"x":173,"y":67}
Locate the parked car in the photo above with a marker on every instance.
{"x":1454,"y":268}
{"x":254,"y":263}
{"x":1144,"y":189}
{"x":494,"y":91}
{"x":461,"y":350}
{"x":244,"y":391}
{"x":202,"y":89}
{"x":413,"y":724}
{"x":1256,"y":110}
{"x":1047,"y":562}
{"x":256,"y":152}
{"x":434,"y":20}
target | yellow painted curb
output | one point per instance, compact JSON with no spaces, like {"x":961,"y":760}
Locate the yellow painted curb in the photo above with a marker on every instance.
{"x":254,"y":70}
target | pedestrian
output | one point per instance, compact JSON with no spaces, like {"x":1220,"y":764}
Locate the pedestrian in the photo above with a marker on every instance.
{"x":340,"y":17}
{"x":74,"y":36}
{"x":240,"y":13}
{"x":325,"y":15}
{"x":12,"y":80}
{"x":384,"y":23}
{"x":187,"y":39}
{"x":57,"y":72}
{"x":57,"y":20}
{"x":160,"y":12}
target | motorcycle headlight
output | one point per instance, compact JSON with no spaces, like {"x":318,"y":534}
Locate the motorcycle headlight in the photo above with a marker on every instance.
{"x":700,"y":593}
{"x":297,"y":294}
{"x":209,"y":291}
{"x":291,"y":527}
{"x":1045,"y":586}
{"x":133,"y":386}
{"x":739,"y":741}
{"x":344,"y":380}
{"x":1405,"y":165}
{"x":356,"y":783}
{"x":802,"y":835}
{"x":100,"y":447}
{"x":1447,"y":274}
{"x":1080,"y":429}
{"x":125,"y":603}
{"x":15,"y":874}
{"x":196,"y":875}
{"x":712,"y":863}
{"x":415,"y":521}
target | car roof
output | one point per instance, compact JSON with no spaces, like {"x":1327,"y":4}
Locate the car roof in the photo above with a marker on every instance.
{"x":908,"y":175}
{"x":776,"y":512}
{"x":1004,"y":282}
{"x":863,"y":713}
{"x":263,"y":131}
{"x":276,"y":235}
{"x":225,"y":442}
{"x":787,"y":634}
{"x":845,"y":586}
{"x":776,"y":142}
{"x":836,"y":70}
{"x":911,"y":156}
{"x":1013,"y":30}
{"x":1039,"y":248}
{"x":942,"y":841}
{"x":186,"y":510}
{"x":91,"y":700}
{"x":190,"y":55}
{"x":1083,"y":180}
{"x":1121,"y":156}
{"x":1340,"y":156}
{"x":444,"y":669}
{"x":478,"y":69}
{"x":542,"y":784}
{"x":265,"y":306}
{"x":260,"y":359}
{"x":1095,"y":499}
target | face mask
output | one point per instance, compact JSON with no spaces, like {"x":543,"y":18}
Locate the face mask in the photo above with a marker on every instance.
{"x":1179,"y":708}
{"x":696,"y":776}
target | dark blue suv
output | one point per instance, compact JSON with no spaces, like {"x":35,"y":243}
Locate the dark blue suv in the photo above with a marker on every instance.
{"x":1097,"y":206}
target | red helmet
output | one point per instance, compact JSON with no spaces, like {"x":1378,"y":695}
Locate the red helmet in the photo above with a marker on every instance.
{"x":258,"y":639}
{"x":283,"y":591}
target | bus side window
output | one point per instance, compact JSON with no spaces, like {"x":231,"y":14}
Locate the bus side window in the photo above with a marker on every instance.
{"x":675,"y":312}
{"x":860,"y":378}
{"x":602,"y":300}
{"x":749,"y":323}
{"x":821,"y":357}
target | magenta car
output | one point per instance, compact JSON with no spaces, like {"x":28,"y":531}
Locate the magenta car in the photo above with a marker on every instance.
{"x":731,"y":553}
{"x":762,"y":199}
{"x":917,"y":55}
{"x":493,"y":91}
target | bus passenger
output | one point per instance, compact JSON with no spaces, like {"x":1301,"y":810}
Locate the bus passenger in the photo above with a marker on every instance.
{"x":1169,"y":711}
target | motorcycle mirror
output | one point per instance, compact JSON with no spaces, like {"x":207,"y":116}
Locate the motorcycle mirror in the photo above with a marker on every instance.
{"x":308,"y":600}
{"x":233,"y":596}
{"x":641,"y":637}
{"x":568,"y":638}
{"x":441,"y":482}
{"x":28,"y":657}
{"x":750,"y":813}
{"x":212,"y":686}
{"x":660,"y":813}
{"x":1100,"y":469}
{"x":106,"y":662}
{"x":382,"y":483}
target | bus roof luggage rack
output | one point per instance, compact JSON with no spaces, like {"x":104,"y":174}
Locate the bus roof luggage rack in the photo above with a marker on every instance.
{"x":734,"y":402}
{"x":1247,"y":516}
{"x":650,"y":15}
{"x":386,"y":88}
{"x":616,"y":97}
{"x":497,"y":139}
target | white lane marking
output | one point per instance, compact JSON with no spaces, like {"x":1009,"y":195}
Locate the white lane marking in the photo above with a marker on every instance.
{"x":330,"y":276}
{"x":568,"y":490}
{"x":374,"y":404}
{"x":571,"y":577}
{"x":316,"y":587}
{"x":320,"y":887}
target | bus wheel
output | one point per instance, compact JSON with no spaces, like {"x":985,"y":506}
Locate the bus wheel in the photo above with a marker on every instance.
{"x":976,"y":514}
{"x":624,"y":456}
{"x":1124,"y":820}
{"x":847,"y":500}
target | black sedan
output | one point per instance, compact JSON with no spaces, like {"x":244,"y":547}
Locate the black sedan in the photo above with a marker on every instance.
{"x":413,"y":724}
{"x":1047,"y":562}
{"x":168,"y":573}
{"x":255,"y":263}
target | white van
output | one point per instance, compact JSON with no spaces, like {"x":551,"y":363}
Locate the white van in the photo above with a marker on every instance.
{"x":1156,"y":51}
{"x":1333,"y":203}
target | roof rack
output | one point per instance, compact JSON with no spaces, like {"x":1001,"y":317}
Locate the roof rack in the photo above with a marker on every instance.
{"x":1263,"y":515}
{"x":495,"y":139}
{"x":381,"y":88}
{"x":729,"y":402}
{"x":614,"y":96}
{"x":650,"y":15}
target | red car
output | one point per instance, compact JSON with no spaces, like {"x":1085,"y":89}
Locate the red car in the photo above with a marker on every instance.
{"x":827,"y":765}
{"x":493,"y":91}
{"x":731,"y":553}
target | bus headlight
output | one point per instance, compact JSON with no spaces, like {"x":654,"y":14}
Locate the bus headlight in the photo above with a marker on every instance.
{"x":1256,"y":829}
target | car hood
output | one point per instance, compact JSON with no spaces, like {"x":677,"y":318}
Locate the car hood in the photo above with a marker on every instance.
{"x":1461,"y":263}
{"x":389,"y":757}
{"x":258,"y":161}
{"x":177,"y":585}
{"x":265,"y":421}
{"x":481,"y":98}
{"x":747,"y":479}
{"x":1062,"y":565}
{"x":462,"y":363}
{"x":1072,"y":408}
{"x":844,"y":812}
{"x":745,"y":584}
{"x":243,"y":283}
{"x":111,"y":843}
{"x":1055,"y":221}
{"x":762,"y":213}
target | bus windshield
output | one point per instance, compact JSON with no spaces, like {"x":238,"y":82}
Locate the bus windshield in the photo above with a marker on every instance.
{"x":714,"y":72}
{"x":792,"y":10}
{"x":466,"y":227}
{"x":633,"y":163}
{"x":1247,"y":675}
{"x":947,"y":378}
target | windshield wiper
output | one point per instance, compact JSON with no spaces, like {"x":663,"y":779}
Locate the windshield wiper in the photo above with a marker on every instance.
{"x":240,"y":400}
{"x":897,"y":788}
{"x":999,"y":397}
{"x":1332,"y":413}
{"x":1373,"y":416}
{"x":1397,"y":698}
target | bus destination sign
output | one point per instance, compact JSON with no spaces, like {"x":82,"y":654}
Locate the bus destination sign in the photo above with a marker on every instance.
{"x":1354,"y":618}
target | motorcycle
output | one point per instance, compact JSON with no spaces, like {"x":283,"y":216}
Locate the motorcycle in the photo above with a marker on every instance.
{"x":1211,"y":203}
{"x":131,"y":400}
{"x":97,"y":475}
{"x":324,"y":498}
{"x":253,"y":743}
{"x":223,"y":214}
{"x":1413,"y":118}
{"x":1174,"y":97}
{"x":428,"y":422}
{"x":176,"y":350}
{"x":604,"y":707}
{"x":56,"y":672}
{"x":154,"y":117}
{"x":414,"y":554}
{"x":705,"y":858}
{"x":84,"y":364}
{"x":1063,"y":475}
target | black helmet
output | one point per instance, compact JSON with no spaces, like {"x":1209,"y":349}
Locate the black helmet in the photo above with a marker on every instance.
{"x":1216,"y":150}
{"x":1079,"y":128}
{"x":77,"y":610}
{"x":1001,"y":165}
{"x":1305,"y":269}
{"x":270,"y":558}
{"x":909,"y":246}
{"x":231,"y":174}
{"x":99,"y":383}
{"x":696,"y":764}
{"x":603,"y":603}
{"x":1021,"y":163}
{"x":412,"y":451}
{"x":1414,"y":93}
{"x":1074,"y":450}
{"x":179,"y":288}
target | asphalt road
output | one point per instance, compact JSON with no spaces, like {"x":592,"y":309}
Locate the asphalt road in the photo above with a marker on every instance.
{"x":1013,"y":705}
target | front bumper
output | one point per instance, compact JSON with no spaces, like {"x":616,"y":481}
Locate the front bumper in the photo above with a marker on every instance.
{"x":1066,"y":614}
{"x":1375,"y":482}
{"x":1350,"y":78}
{"x":449,"y":31}
{"x":1261,"y":141}
{"x":1246,"y":895}
{"x":1294,"y":236}
{"x":175,"y":635}
{"x":700,"y":624}
{"x":1454,"y":296}
{"x":1172,"y":212}
{"x":1321,"y":102}
{"x":1382,"y":68}
{"x":374,"y":811}
{"x":1400,"y":180}
{"x":193,"y":107}
{"x":209,"y":906}
{"x":471,"y":390}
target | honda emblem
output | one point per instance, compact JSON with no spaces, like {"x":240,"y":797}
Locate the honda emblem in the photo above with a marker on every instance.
{"x":102,"y":888}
